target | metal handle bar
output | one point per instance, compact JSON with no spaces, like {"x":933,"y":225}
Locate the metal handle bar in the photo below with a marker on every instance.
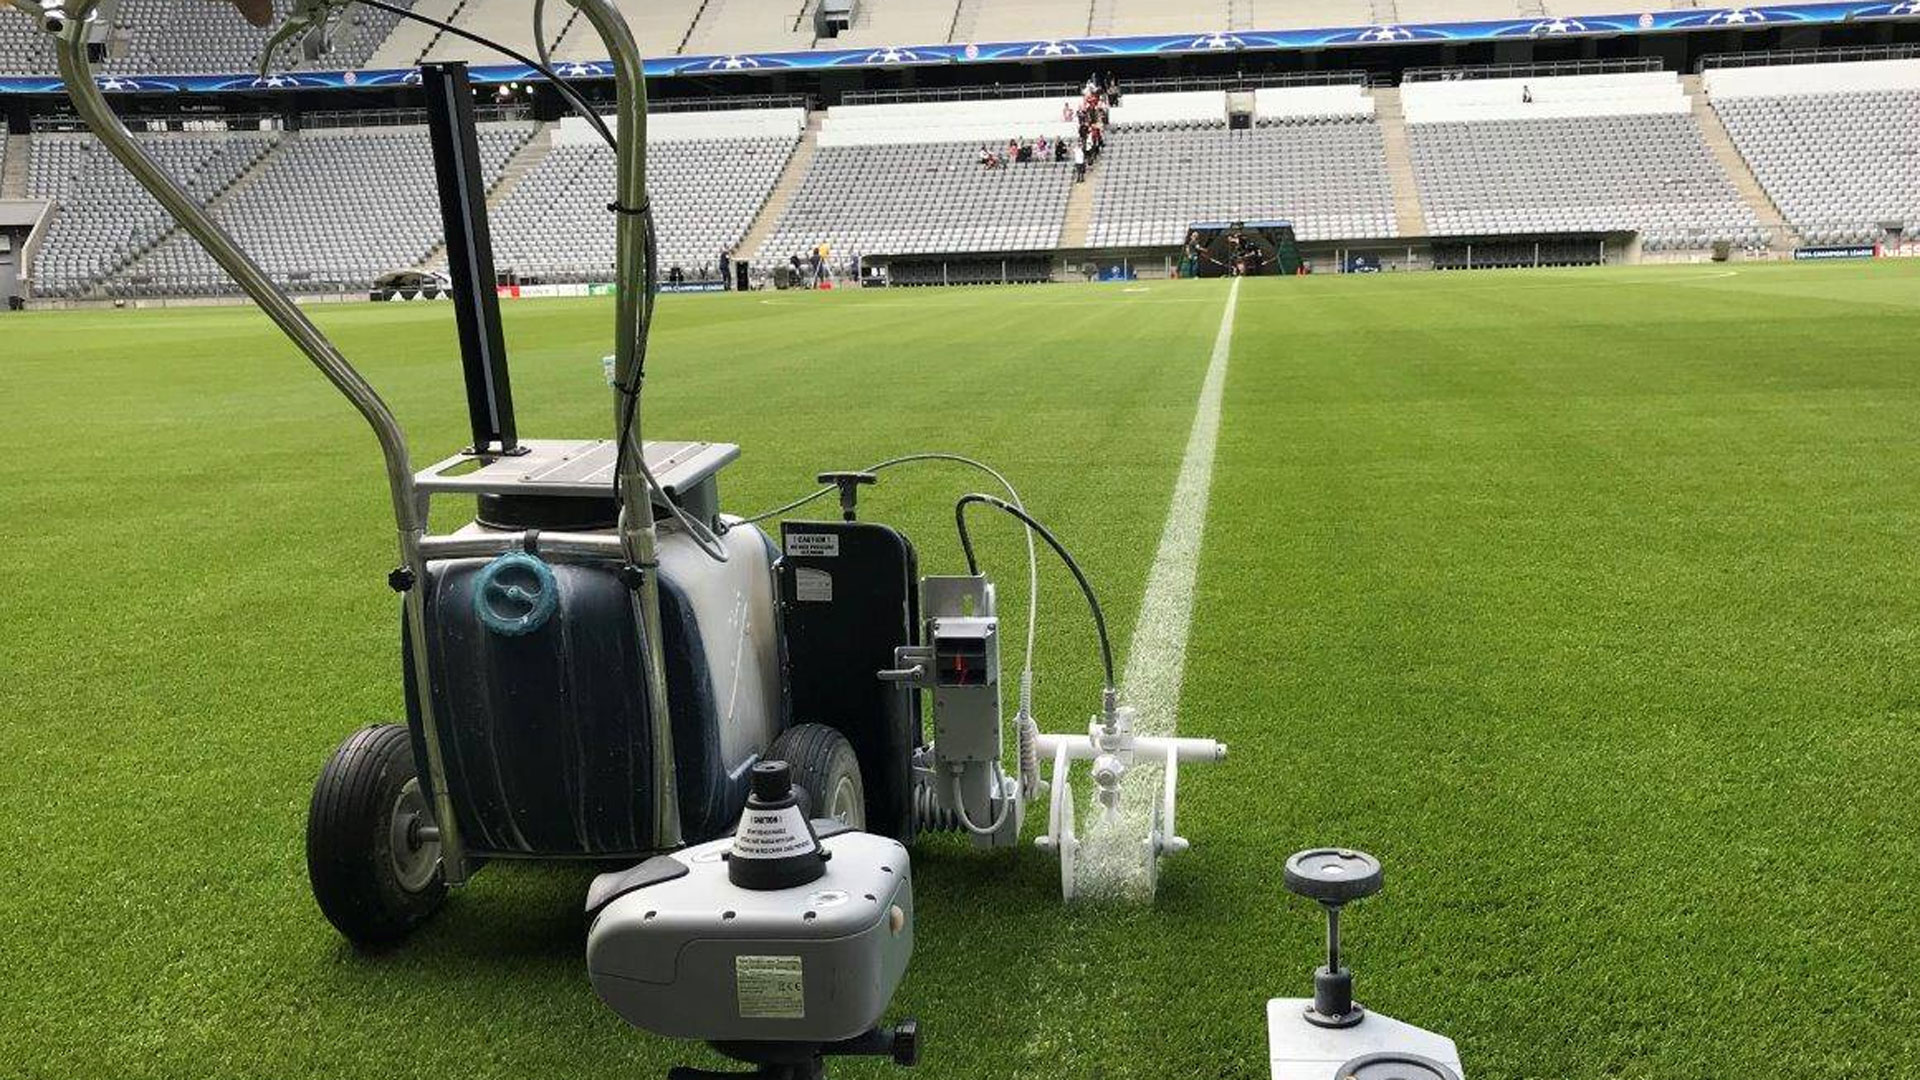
{"x":68,"y":24}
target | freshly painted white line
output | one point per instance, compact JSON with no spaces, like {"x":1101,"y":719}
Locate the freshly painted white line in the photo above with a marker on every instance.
{"x":1109,"y":860}
{"x":1157,"y":657}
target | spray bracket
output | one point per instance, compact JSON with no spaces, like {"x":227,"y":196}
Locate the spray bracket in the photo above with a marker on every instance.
{"x":1114,"y":751}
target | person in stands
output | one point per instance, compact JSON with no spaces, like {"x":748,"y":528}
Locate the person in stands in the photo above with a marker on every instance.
{"x":986,"y":157}
{"x":1013,"y":151}
{"x":1079,"y":163}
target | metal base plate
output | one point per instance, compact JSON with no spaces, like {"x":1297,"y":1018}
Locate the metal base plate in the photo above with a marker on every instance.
{"x":1300,"y":1051}
{"x":582,"y":467}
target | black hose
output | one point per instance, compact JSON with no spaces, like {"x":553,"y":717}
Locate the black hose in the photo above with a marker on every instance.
{"x":1086,"y":588}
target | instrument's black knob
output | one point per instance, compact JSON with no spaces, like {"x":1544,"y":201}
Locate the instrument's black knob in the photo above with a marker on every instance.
{"x":849,"y":484}
{"x":906,"y":1043}
{"x":1333,"y":875}
{"x":771,"y":781}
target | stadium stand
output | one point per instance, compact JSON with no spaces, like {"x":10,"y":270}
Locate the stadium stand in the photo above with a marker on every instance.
{"x":1293,"y":15}
{"x":907,"y":179}
{"x":181,"y":37}
{"x":1123,"y":18}
{"x":1582,"y":153}
{"x":24,"y":50}
{"x":1573,"y":8}
{"x":894,"y":22}
{"x":104,"y":218}
{"x":707,"y":175}
{"x":509,"y":22}
{"x":1313,"y":157}
{"x":738,"y":26}
{"x":1018,"y":20}
{"x":1836,"y":146}
{"x":658,"y":25}
{"x":332,"y":208}
{"x":1437,"y":11}
{"x":409,"y":39}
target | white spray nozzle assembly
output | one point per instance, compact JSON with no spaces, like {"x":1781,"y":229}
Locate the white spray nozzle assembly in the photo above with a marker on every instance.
{"x":1121,"y":852}
{"x":959,"y":780}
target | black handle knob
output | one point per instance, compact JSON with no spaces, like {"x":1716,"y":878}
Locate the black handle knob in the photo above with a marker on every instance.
{"x":906,"y":1044}
{"x":771,"y":781}
{"x":1333,"y":875}
{"x":849,"y":484}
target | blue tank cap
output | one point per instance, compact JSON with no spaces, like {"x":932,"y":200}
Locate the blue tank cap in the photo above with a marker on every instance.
{"x":515,"y":594}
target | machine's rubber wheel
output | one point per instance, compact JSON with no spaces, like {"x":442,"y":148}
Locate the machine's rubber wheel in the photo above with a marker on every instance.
{"x":826,"y":768}
{"x":375,"y":877}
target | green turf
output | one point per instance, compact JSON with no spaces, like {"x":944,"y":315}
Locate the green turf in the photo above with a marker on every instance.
{"x":1585,"y":599}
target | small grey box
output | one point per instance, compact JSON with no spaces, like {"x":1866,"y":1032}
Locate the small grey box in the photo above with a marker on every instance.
{"x":697,"y":957}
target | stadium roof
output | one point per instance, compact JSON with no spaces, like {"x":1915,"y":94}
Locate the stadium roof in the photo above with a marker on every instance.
{"x":1198,"y":43}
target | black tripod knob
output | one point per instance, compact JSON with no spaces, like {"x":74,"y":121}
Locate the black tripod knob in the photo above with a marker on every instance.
{"x":1333,"y":877}
{"x":906,"y":1043}
{"x":849,"y":484}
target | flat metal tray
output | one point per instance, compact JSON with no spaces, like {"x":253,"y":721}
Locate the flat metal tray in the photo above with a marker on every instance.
{"x":575,"y":467}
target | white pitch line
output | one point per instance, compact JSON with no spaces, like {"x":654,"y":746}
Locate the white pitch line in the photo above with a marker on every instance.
{"x":1157,"y":656}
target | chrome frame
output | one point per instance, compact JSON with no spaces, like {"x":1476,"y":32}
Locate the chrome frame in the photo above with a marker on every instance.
{"x":635,"y":540}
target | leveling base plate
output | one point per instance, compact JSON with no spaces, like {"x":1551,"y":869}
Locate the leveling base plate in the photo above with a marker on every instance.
{"x":1377,"y":1048}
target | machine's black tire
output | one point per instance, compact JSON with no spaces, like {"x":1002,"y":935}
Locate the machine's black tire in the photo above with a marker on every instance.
{"x":350,"y":856}
{"x":823,"y":761}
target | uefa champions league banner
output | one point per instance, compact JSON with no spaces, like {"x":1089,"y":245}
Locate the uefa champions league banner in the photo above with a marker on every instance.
{"x":894,"y":56}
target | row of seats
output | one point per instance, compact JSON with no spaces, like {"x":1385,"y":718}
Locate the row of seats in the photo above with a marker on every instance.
{"x":920,"y":198}
{"x":1329,"y":180}
{"x":705,"y":193}
{"x":104,"y":218}
{"x":193,"y":36}
{"x":186,"y":37}
{"x":1618,"y":152}
{"x":24,"y":50}
{"x":1650,"y":174}
{"x":1836,"y":146}
{"x":341,"y":207}
{"x":332,"y":208}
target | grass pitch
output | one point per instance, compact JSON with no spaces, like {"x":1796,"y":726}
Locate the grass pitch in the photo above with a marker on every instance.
{"x":1587,"y":600}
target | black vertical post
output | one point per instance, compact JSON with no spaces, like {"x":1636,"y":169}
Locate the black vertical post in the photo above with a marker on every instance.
{"x":463,"y":210}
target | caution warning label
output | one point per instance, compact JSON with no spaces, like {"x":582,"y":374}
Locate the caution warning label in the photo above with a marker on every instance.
{"x":772,"y":834}
{"x":815,"y":544}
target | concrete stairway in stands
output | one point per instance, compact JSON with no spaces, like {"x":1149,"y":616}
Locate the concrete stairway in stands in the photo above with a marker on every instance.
{"x":1079,"y":218}
{"x":1100,"y":18}
{"x":966,"y":15}
{"x":1409,"y":218}
{"x":13,"y":178}
{"x":409,"y":40}
{"x":523,"y":161}
{"x":783,"y":188}
{"x":1728,"y":155}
